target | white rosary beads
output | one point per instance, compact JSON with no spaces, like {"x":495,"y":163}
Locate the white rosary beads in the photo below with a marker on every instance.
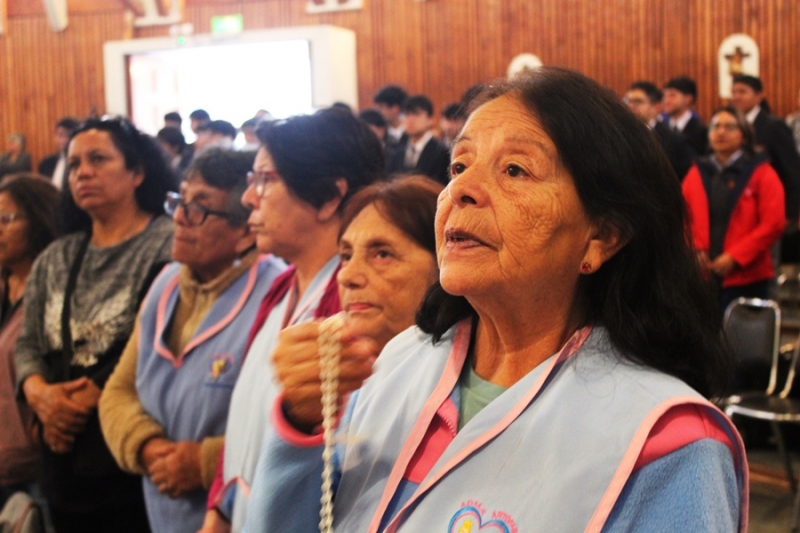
{"x":329,"y":339}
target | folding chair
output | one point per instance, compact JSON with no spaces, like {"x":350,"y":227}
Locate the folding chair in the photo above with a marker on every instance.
{"x":753,"y":330}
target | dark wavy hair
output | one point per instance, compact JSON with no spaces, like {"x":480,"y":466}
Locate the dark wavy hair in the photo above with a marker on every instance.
{"x":36,"y":196}
{"x":650,"y":295}
{"x":408,"y":202}
{"x":140,"y":151}
{"x":225,"y":170}
{"x":311,"y":152}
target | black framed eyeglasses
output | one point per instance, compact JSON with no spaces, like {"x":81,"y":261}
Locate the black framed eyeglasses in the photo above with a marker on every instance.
{"x":259,"y":180}
{"x":194,"y":213}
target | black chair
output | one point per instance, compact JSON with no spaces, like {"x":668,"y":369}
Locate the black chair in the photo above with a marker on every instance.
{"x":752,"y":327}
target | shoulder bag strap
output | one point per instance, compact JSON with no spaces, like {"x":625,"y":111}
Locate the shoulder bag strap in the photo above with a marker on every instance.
{"x":66,"y":333}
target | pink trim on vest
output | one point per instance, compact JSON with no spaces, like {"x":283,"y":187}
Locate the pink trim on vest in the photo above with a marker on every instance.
{"x":680,"y":426}
{"x":161,"y":320}
{"x":444,"y":427}
{"x":634,"y":450}
{"x":161,"y":316}
{"x":448,"y":380}
{"x":219,"y":326}
{"x":570,"y":348}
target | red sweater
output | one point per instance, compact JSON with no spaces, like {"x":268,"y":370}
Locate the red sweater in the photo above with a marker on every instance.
{"x":756,"y":222}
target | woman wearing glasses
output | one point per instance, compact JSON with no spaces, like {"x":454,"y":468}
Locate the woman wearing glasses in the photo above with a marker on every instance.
{"x":306,"y":170}
{"x":28,"y":205}
{"x":736,"y":208}
{"x":92,"y":281}
{"x":165,"y":406}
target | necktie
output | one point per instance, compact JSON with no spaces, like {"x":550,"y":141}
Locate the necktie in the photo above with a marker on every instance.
{"x":411,"y":159}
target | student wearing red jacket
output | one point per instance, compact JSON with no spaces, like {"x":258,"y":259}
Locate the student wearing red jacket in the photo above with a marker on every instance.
{"x":736,"y":209}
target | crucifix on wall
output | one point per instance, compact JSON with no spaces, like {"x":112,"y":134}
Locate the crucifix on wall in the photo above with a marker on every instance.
{"x":738,"y":54}
{"x":735,"y":61}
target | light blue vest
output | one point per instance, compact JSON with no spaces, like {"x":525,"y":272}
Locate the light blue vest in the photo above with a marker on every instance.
{"x":189,"y":395}
{"x":552,"y":453}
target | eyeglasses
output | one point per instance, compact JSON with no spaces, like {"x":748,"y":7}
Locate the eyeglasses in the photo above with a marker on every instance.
{"x":635,"y":101}
{"x":260,"y":178}
{"x":8,"y":218}
{"x":194,"y":213}
{"x":724,"y":126}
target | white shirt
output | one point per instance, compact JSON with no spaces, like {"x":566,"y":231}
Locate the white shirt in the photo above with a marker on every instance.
{"x":395,"y":132}
{"x":414,"y":150}
{"x":681,"y":121}
{"x":58,"y":174}
{"x":752,"y":114}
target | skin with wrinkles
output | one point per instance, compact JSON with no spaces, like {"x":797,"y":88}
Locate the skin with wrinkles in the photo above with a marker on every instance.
{"x":383,"y":277}
{"x":511,"y":235}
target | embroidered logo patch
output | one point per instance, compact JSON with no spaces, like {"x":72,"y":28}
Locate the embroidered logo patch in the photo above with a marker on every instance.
{"x":219,"y":365}
{"x":472,"y":518}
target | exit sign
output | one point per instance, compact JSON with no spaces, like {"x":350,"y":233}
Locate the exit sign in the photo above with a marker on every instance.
{"x":227,"y":24}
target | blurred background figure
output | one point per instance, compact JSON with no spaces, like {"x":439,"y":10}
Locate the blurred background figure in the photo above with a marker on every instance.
{"x":173,"y":119}
{"x":179,"y":155}
{"x":420,"y":152}
{"x":28,"y":209}
{"x":454,"y":117}
{"x":680,"y":95}
{"x":644,"y":99}
{"x":248,"y":130}
{"x":736,"y":208}
{"x":793,"y":121}
{"x":197,"y":118}
{"x":390,"y":102}
{"x":15,"y":159}
{"x":54,"y":166}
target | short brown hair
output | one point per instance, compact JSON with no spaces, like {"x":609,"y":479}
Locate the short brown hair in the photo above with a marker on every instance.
{"x":408,"y":202}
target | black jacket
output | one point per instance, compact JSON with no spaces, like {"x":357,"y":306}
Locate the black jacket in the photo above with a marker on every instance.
{"x":775,"y":138}
{"x":676,"y":148}
{"x":434,"y":161}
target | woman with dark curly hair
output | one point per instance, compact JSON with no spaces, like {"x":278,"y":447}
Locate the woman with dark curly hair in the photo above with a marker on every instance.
{"x":81,"y":300}
{"x":28,"y":206}
{"x":557,"y":378}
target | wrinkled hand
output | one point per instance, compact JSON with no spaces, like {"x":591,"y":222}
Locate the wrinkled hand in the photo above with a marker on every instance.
{"x":154,"y":449}
{"x":214,"y":523}
{"x":88,"y":396}
{"x":53,"y":404}
{"x":178,"y":472}
{"x":296,"y":360}
{"x":723,"y":265}
{"x":57,"y":441}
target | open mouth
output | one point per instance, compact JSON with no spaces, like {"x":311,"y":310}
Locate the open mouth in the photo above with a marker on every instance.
{"x":461,"y":238}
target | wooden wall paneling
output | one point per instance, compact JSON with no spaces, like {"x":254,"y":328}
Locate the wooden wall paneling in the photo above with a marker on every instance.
{"x":438,"y":47}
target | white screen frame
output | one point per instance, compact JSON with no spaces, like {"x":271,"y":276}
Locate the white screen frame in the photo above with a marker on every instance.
{"x":334,"y":75}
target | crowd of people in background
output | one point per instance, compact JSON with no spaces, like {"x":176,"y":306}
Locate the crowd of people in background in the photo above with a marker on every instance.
{"x":134,"y":266}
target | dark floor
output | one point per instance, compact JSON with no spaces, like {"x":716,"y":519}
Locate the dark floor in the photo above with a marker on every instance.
{"x":770,"y":503}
